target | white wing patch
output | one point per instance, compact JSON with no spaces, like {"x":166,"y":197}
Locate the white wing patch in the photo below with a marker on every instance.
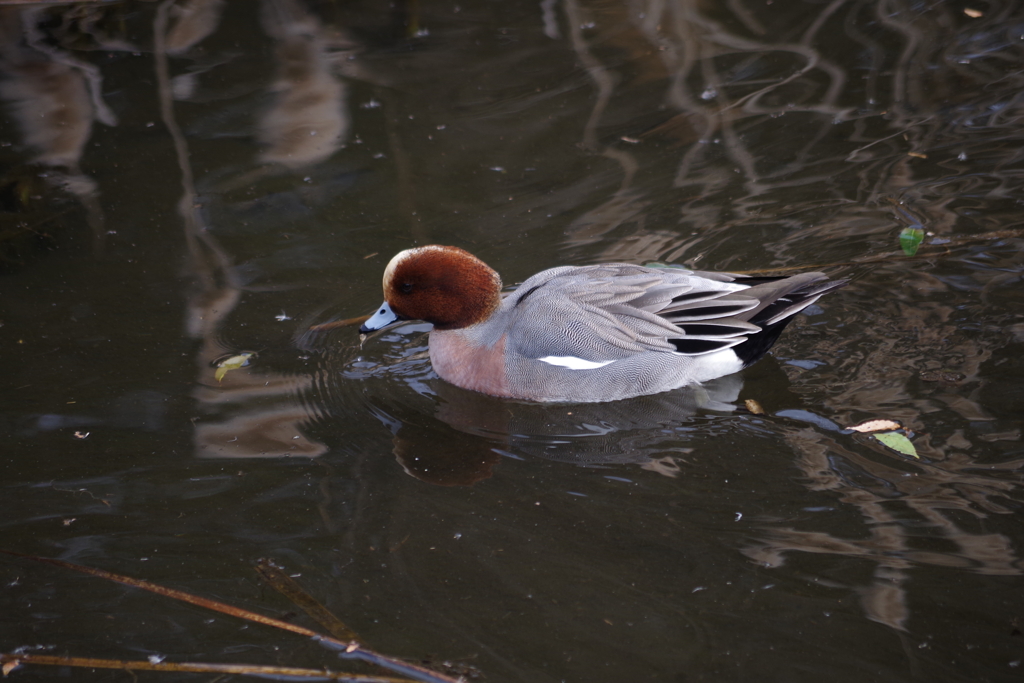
{"x":574,"y":363}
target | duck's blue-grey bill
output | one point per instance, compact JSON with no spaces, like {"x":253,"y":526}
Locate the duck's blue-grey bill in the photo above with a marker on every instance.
{"x":379,"y":320}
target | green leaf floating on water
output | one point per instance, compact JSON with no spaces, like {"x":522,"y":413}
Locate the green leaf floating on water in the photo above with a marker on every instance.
{"x":910,"y":240}
{"x":898,"y":443}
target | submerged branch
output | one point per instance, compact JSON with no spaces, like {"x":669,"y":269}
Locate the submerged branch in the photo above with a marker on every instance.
{"x":12,"y":661}
{"x":349,"y":650}
{"x":284,"y":584}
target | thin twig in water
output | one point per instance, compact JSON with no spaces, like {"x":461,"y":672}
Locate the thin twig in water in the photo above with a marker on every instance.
{"x":284,"y":584}
{"x":350,"y":650}
{"x":14,"y":660}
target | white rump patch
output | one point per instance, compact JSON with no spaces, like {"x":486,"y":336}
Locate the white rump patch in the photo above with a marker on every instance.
{"x":574,"y":363}
{"x":717,"y":364}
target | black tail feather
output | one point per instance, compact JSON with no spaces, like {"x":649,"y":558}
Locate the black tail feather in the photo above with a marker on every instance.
{"x":756,"y":345}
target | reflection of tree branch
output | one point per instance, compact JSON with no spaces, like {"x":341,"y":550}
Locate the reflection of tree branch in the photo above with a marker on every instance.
{"x":748,"y":18}
{"x":602,"y":79}
{"x":605,"y":83}
{"x":220,"y":282}
{"x":878,"y":489}
{"x":404,"y":176}
{"x":712,"y":32}
{"x":35,"y":38}
{"x":547,"y":8}
{"x":197,"y":19}
{"x":266,"y":432}
{"x":887,"y":15}
{"x":851,"y":29}
{"x":623,"y":203}
{"x":686,"y":39}
{"x":728,"y":85}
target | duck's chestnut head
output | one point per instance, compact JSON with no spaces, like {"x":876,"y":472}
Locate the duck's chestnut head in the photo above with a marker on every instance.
{"x":446,"y":286}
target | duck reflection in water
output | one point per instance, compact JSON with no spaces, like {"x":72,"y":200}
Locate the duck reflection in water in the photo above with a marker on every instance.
{"x":467,"y":434}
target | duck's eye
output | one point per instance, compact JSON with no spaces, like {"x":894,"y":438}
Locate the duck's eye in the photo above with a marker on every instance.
{"x":406,"y":287}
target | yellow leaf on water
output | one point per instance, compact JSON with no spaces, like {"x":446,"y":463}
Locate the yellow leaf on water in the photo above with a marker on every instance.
{"x":898,"y":443}
{"x":232,"y":363}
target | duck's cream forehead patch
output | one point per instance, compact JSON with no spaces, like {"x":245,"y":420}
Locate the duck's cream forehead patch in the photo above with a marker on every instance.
{"x":403,"y":256}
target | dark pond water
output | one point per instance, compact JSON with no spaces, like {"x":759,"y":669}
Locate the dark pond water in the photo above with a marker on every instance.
{"x":184,"y":181}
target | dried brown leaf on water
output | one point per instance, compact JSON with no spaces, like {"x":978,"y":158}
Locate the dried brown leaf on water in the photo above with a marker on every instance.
{"x":876,"y":425}
{"x":9,"y":666}
{"x":753,"y":406}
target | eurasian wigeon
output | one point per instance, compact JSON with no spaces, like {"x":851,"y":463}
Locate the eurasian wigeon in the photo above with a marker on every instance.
{"x":584,"y":334}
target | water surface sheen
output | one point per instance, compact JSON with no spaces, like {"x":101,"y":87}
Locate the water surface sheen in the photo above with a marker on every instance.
{"x":185,"y":181}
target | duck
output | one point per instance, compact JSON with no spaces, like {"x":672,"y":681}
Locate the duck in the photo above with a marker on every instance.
{"x":591,"y":333}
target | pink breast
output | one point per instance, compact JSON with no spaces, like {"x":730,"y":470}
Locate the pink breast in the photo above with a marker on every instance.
{"x":458,"y":360}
